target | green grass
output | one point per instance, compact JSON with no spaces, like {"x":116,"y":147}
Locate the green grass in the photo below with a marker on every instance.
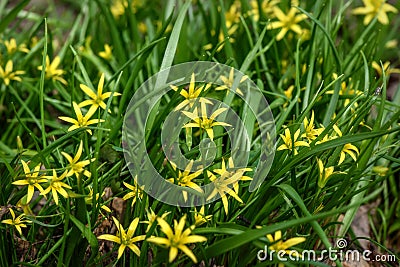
{"x":327,"y":72}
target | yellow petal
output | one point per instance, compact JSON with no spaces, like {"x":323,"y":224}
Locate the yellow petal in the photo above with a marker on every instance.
{"x":135,"y":249}
{"x":188,"y":252}
{"x":121,"y":250}
{"x":165,"y":227}
{"x":194,"y":239}
{"x":68,"y":119}
{"x":180,"y":226}
{"x":77,"y":110}
{"x":110,"y":238}
{"x":100,"y":85}
{"x":31,"y":190}
{"x":158,"y":240}
{"x":79,"y":152}
{"x":292,"y":242}
{"x":88,"y":91}
{"x":132,"y":227}
{"x":173,"y":252}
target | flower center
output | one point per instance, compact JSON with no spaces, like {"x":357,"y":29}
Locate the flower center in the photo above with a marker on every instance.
{"x":175,"y":241}
{"x":82,"y":121}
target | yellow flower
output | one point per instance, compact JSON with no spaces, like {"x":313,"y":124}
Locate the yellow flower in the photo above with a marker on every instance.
{"x":374,"y":8}
{"x":136,"y":191}
{"x":177,"y":239}
{"x":289,"y":92}
{"x":185,"y":179}
{"x":347,"y":148}
{"x":391,"y":44}
{"x":16,"y":222}
{"x":31,"y":180}
{"x":81,"y":121}
{"x":386,"y":67}
{"x":191,"y":94}
{"x":75,"y":166}
{"x":267,"y":7}
{"x":152,"y":217}
{"x":89,"y":199}
{"x":203,"y":121}
{"x":22,"y":204}
{"x":7,"y":74}
{"x":232,"y":16}
{"x":222,"y":38}
{"x":107,"y":53}
{"x":118,"y":7}
{"x":97,"y":100}
{"x":345,"y":90}
{"x":125,"y":239}
{"x":289,"y":144}
{"x":324,"y":173}
{"x":224,"y":185}
{"x":287,"y":22}
{"x":56,"y":186}
{"x":200,"y":217}
{"x":228,"y":82}
{"x":330,"y":137}
{"x":12,"y":47}
{"x":279,"y":245}
{"x":51,"y":70}
{"x":289,"y":95}
{"x":311,"y":133}
{"x":233,"y":172}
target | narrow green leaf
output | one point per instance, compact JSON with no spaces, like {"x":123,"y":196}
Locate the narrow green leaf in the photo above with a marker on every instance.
{"x":12,"y":15}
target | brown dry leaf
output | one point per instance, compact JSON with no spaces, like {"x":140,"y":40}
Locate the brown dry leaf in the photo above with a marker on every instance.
{"x":118,"y":205}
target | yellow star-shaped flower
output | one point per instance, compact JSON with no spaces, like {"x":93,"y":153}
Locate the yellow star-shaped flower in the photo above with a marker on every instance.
{"x":125,"y":238}
{"x":16,"y":222}
{"x":97,"y":99}
{"x":203,"y":121}
{"x":177,"y":239}
{"x":310,"y":132}
{"x":266,"y":7}
{"x":107,"y":53}
{"x":185,"y":178}
{"x":287,"y":22}
{"x":32,"y":180}
{"x":228,"y":82}
{"x":136,"y":191}
{"x":277,"y":244}
{"x":7,"y":74}
{"x":52,"y":72}
{"x":227,"y":182}
{"x":289,"y":144}
{"x":191,"y":94}
{"x":56,"y":186}
{"x":152,"y":217}
{"x":200,"y":217}
{"x":75,"y":166}
{"x":374,"y":8}
{"x":81,"y":121}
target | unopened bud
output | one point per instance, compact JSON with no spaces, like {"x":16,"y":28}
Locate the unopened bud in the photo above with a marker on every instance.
{"x":20,"y":147}
{"x":380,"y":170}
